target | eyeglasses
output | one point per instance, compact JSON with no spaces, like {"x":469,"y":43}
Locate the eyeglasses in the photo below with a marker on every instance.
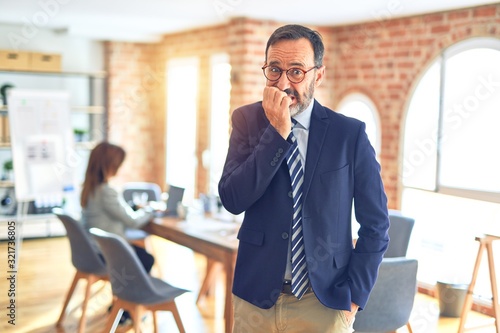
{"x":295,"y":75}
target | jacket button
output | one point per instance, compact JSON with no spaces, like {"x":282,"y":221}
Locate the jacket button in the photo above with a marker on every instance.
{"x":280,"y":150}
{"x":284,"y":235}
{"x":276,"y":159}
{"x":273,"y":163}
{"x":290,"y":194}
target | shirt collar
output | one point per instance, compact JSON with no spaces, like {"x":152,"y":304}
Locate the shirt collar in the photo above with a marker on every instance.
{"x":304,"y":118}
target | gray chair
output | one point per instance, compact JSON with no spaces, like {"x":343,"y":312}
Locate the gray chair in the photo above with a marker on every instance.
{"x":399,"y":234}
{"x":391,"y":301}
{"x":86,"y":258}
{"x":133,"y":289}
{"x":151,"y":191}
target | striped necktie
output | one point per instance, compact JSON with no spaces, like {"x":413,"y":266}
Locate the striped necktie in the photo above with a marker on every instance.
{"x":300,"y":279}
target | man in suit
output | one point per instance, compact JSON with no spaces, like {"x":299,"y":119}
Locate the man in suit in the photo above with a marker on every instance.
{"x":301,"y":211}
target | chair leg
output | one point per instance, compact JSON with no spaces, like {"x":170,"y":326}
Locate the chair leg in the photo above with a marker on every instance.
{"x":113,"y":318}
{"x":136,"y":314}
{"x":155,"y":322}
{"x":90,"y":281}
{"x":68,"y":297}
{"x":409,"y":328}
{"x":177,"y":317}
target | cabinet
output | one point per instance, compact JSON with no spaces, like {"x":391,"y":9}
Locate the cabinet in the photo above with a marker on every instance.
{"x":88,"y":119}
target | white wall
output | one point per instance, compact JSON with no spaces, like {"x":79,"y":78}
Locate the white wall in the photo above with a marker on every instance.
{"x":78,"y":54}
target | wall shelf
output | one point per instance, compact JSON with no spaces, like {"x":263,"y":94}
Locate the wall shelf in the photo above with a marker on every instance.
{"x":97,"y":75}
{"x":88,"y":100}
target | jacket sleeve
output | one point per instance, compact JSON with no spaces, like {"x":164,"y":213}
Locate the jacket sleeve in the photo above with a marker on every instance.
{"x":370,"y":204}
{"x":255,"y":154}
{"x":119,"y":210}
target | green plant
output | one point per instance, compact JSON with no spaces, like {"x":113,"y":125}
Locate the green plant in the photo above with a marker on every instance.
{"x":79,"y":131}
{"x":8,"y":165}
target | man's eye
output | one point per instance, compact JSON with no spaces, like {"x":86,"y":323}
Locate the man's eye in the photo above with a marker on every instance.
{"x":275,"y":70}
{"x":297,"y":72}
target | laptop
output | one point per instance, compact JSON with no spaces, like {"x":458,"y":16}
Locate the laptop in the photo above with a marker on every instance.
{"x":175,"y":195}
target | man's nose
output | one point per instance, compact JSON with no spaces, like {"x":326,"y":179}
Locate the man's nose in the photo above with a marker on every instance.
{"x":283,"y":82}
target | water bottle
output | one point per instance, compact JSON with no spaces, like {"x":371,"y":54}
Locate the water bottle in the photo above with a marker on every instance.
{"x":71,"y":202}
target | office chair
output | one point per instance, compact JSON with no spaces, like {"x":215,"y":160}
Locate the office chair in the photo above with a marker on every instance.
{"x":152,"y":192}
{"x":399,"y":234}
{"x":391,"y":300}
{"x":85,"y":257}
{"x":133,"y":289}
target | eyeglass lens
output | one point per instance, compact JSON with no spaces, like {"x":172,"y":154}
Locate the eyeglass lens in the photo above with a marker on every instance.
{"x":295,"y":75}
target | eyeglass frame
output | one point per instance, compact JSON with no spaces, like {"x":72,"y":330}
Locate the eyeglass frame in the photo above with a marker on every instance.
{"x":286,"y":72}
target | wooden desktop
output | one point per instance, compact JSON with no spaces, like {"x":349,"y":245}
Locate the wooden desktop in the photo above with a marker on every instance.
{"x":212,"y":238}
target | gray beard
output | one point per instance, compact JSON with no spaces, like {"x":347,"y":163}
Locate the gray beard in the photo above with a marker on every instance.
{"x":302,"y":101}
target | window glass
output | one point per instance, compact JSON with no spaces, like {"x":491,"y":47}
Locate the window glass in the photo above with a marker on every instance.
{"x":421,"y":132}
{"x":219,"y":128}
{"x":181,"y":124}
{"x":470,"y":157}
{"x":451,"y":140}
{"x":362,"y":108}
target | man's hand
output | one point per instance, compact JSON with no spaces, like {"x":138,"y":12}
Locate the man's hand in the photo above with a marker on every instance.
{"x":350,"y":315}
{"x":276,"y":104}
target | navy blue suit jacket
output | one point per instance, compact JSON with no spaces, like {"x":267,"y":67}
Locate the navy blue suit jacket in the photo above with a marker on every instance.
{"x":340,"y":168}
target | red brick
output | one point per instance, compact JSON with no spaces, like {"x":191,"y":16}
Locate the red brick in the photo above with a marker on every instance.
{"x":431,"y":18}
{"x":487,"y":11}
{"x":458,"y":15}
{"x":440,"y":29}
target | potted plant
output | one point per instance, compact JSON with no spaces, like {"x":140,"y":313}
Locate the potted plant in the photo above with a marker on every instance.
{"x":79,"y":134}
{"x":8,"y":168}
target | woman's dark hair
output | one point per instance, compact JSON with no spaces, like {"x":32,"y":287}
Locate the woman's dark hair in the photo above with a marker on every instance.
{"x":104,"y":162}
{"x":294,"y":32}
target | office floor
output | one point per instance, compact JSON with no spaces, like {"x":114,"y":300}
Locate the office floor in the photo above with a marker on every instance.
{"x":45,"y":274}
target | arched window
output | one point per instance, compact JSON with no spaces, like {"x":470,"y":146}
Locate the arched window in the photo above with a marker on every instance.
{"x":451,"y":160}
{"x":359,"y":106}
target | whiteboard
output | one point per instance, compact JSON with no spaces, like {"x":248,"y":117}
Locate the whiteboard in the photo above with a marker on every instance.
{"x":41,"y":140}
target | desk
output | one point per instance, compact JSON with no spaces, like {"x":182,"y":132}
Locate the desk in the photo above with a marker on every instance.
{"x":212,"y":238}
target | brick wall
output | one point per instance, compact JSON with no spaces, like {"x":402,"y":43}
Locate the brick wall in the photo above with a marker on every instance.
{"x":131,"y":122}
{"x":385,"y":59}
{"x":382,"y":60}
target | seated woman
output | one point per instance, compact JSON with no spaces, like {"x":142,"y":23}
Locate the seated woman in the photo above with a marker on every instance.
{"x":103,"y":207}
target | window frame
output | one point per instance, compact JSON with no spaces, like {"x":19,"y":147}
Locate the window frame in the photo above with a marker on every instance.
{"x":360,"y":97}
{"x":190,"y":186}
{"x":455,"y":49}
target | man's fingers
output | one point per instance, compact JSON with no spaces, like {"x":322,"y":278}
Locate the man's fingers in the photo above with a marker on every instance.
{"x":275,"y":97}
{"x":286,"y":101}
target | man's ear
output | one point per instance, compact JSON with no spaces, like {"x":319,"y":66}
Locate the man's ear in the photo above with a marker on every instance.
{"x":320,"y":75}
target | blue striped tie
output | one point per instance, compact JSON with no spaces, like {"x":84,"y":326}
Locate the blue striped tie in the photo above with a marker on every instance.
{"x":300,"y":279}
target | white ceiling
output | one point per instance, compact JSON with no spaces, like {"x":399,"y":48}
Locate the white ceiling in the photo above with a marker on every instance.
{"x":147,"y":20}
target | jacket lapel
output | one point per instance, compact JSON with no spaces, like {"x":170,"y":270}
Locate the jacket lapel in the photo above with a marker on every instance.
{"x":317,"y":133}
